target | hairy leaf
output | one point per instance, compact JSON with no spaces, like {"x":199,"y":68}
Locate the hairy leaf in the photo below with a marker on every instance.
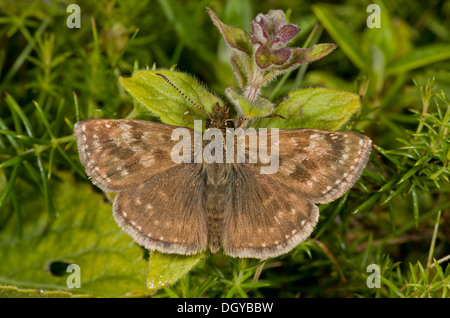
{"x":167,"y":269}
{"x":161,"y":98}
{"x":83,"y":233}
{"x":320,"y":108}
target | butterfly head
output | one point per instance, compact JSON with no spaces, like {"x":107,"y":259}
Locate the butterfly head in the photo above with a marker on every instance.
{"x":220,"y":118}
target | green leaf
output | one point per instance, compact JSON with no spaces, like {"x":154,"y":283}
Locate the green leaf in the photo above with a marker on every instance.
{"x":301,"y":55}
{"x":161,"y":98}
{"x":166,"y":269}
{"x":240,"y":63}
{"x":266,"y":57}
{"x":317,"y":78}
{"x":83,"y":233}
{"x":320,"y":108}
{"x":341,"y":33}
{"x":236,"y":38}
{"x":260,"y":107}
{"x":420,"y":57}
{"x":14,"y":292}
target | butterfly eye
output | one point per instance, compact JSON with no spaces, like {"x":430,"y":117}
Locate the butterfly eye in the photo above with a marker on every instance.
{"x":229,"y":124}
{"x":208,"y":123}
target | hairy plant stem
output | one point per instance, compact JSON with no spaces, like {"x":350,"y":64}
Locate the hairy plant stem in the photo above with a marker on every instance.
{"x":256,"y":82}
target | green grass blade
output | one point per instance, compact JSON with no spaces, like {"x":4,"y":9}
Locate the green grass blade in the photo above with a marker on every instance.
{"x":45,"y":188}
{"x":187,"y":31}
{"x":433,"y":239}
{"x":17,"y":109}
{"x":24,"y":54}
{"x":10,"y":184}
{"x":341,"y":33}
{"x":44,"y":120}
{"x":420,"y":57}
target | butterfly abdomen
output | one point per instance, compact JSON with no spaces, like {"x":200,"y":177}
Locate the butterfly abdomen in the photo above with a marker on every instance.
{"x":218,"y":179}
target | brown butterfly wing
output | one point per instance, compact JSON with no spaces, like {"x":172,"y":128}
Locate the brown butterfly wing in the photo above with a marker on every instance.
{"x":319,"y":165}
{"x":166,"y":213}
{"x":118,"y":154}
{"x":162,"y":204}
{"x":265,"y":218}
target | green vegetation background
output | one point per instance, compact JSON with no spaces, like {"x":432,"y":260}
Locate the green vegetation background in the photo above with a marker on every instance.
{"x":396,"y":216}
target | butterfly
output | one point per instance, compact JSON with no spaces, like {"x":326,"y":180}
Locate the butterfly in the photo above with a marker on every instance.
{"x":188,"y":208}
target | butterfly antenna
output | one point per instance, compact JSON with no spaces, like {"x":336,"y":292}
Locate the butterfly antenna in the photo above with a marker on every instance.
{"x":244,"y":119}
{"x":265,"y":116}
{"x":184,"y":95}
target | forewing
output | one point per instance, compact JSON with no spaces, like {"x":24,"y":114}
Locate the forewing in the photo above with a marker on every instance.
{"x":166,"y":213}
{"x":120,"y":153}
{"x":321,"y":165}
{"x":265,"y":218}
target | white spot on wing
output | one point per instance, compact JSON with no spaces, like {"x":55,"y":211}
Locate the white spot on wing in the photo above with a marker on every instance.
{"x":147,"y":160}
{"x":293,"y":141}
{"x":123,"y":126}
